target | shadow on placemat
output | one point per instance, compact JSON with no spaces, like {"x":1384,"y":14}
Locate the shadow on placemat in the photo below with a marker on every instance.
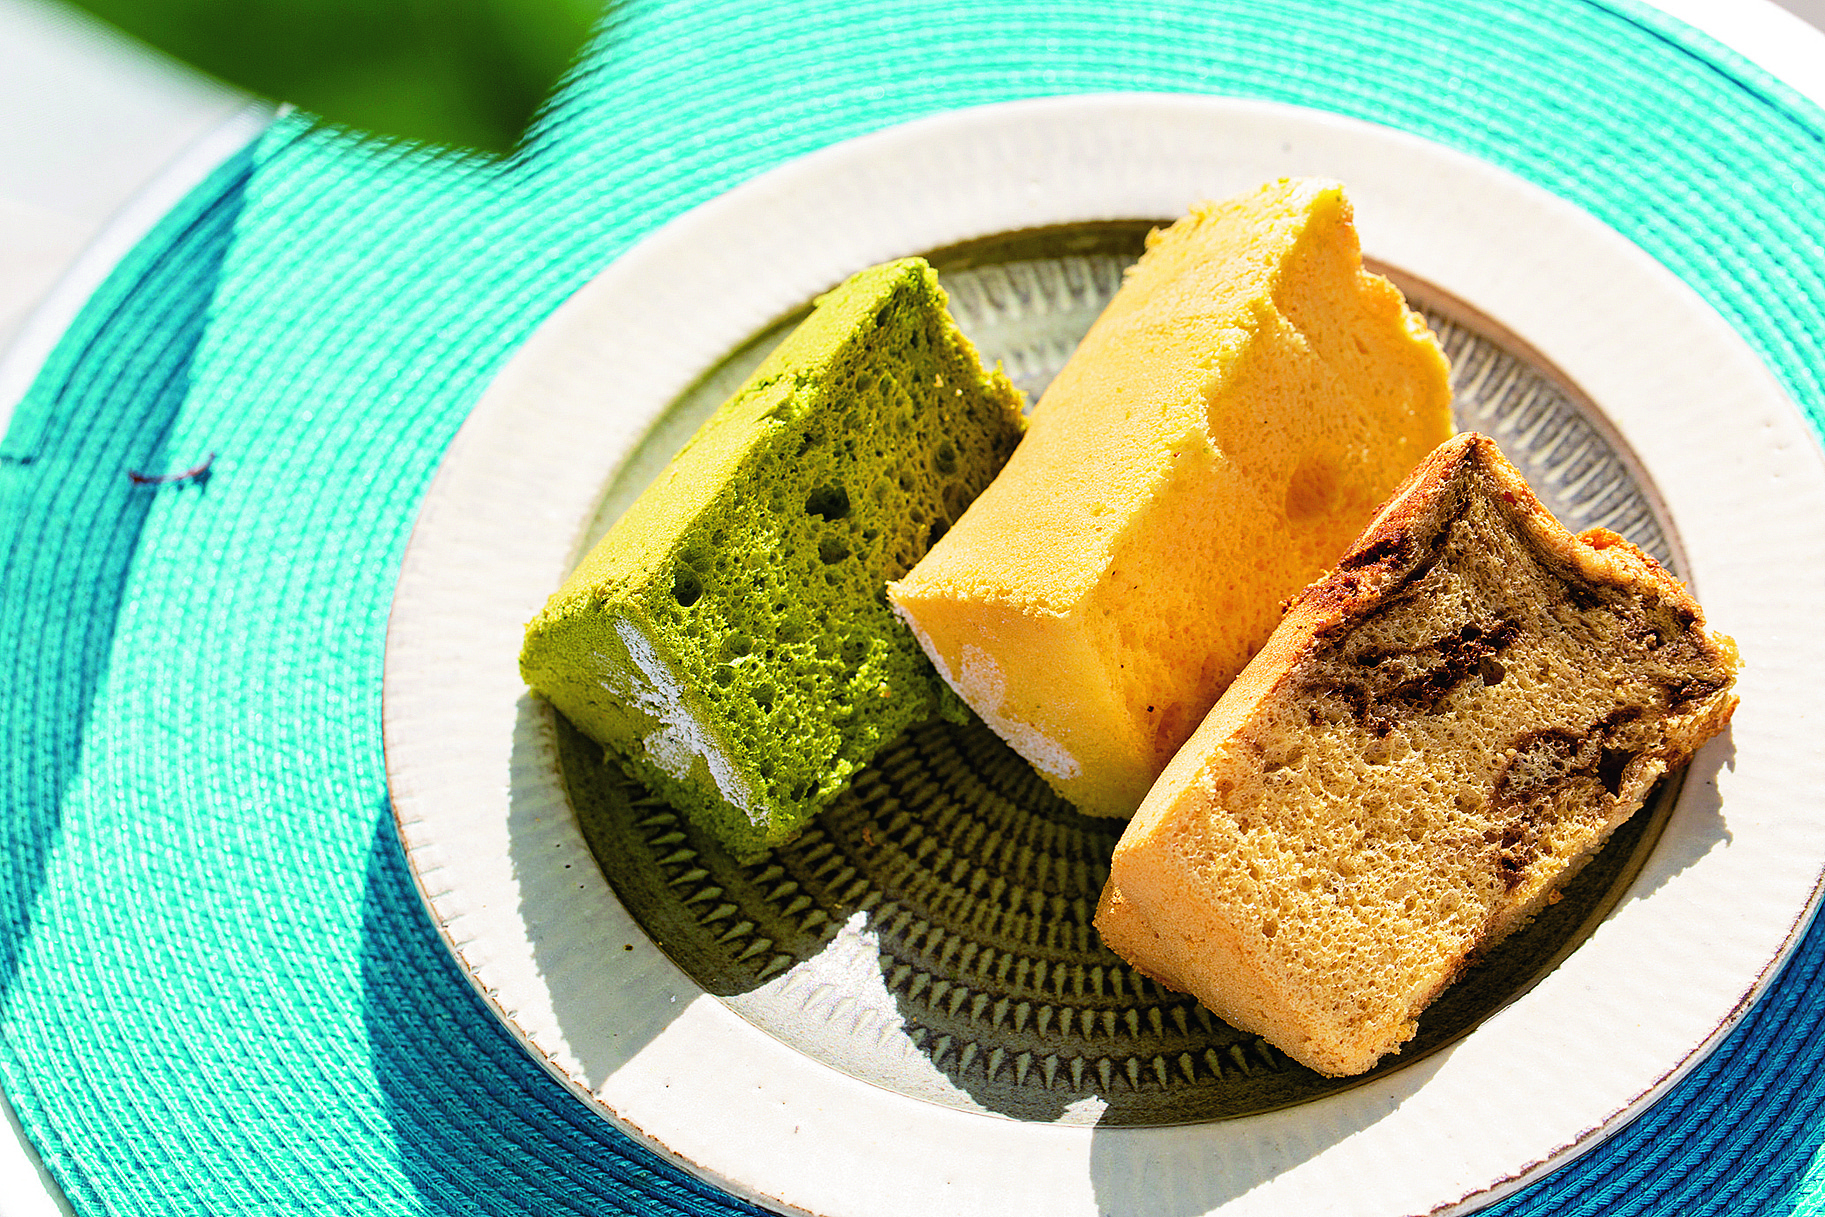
{"x":108,"y":455}
{"x":466,"y":1106}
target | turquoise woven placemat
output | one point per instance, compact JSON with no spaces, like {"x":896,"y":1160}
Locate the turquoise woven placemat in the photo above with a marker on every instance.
{"x":220,"y":993}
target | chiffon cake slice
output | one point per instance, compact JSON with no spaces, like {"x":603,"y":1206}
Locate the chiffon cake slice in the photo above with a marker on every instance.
{"x":1438,"y":734}
{"x":1226,"y":427}
{"x":729,"y":641}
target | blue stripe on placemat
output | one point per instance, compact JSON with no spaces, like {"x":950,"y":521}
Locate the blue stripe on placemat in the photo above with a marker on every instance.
{"x":220,"y":993}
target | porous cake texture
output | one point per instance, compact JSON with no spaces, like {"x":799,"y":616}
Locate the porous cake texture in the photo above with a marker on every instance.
{"x":729,"y":640}
{"x":1229,"y":423}
{"x":1438,"y":734}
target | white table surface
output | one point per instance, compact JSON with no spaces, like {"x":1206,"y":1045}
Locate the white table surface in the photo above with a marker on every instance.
{"x":100,"y":136}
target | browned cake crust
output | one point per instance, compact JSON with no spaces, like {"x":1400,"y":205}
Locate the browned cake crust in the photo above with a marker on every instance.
{"x":1439,"y":732}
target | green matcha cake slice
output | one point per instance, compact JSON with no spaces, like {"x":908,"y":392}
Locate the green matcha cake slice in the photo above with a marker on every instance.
{"x":729,"y":640}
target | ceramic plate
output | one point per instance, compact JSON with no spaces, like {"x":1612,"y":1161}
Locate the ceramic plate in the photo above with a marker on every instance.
{"x":902,"y":1013}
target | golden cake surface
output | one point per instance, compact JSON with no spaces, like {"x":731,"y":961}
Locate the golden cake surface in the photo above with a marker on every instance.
{"x":1226,"y":427}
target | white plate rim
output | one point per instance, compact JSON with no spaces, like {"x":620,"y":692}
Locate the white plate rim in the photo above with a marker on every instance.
{"x":1701,"y":933}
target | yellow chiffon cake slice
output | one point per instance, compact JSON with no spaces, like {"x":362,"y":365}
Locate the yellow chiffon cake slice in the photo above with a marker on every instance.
{"x":1227,"y":426}
{"x":1436,"y":737}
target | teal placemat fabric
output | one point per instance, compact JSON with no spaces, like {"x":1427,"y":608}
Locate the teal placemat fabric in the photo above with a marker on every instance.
{"x":218,"y":991}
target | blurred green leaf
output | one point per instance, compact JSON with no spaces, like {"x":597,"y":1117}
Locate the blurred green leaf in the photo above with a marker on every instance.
{"x":467,"y":72}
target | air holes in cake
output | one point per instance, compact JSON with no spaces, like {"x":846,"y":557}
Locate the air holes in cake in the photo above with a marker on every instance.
{"x":1290,"y":758}
{"x":945,"y":459}
{"x":1311,"y":490}
{"x":1610,"y":768}
{"x":1269,"y":928}
{"x":687,"y":588}
{"x":956,"y":499}
{"x":723,"y":675}
{"x":736,"y":646}
{"x":830,"y":502}
{"x":763,"y":696}
{"x":1170,"y":726}
{"x":832,"y":550}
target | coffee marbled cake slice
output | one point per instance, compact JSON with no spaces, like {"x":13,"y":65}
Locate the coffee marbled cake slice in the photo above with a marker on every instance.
{"x":1436,"y":736}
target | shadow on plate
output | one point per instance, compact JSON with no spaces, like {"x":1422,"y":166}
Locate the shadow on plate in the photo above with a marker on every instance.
{"x":931,"y":933}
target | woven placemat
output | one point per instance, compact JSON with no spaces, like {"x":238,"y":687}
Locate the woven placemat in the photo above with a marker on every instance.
{"x":221,"y":994}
